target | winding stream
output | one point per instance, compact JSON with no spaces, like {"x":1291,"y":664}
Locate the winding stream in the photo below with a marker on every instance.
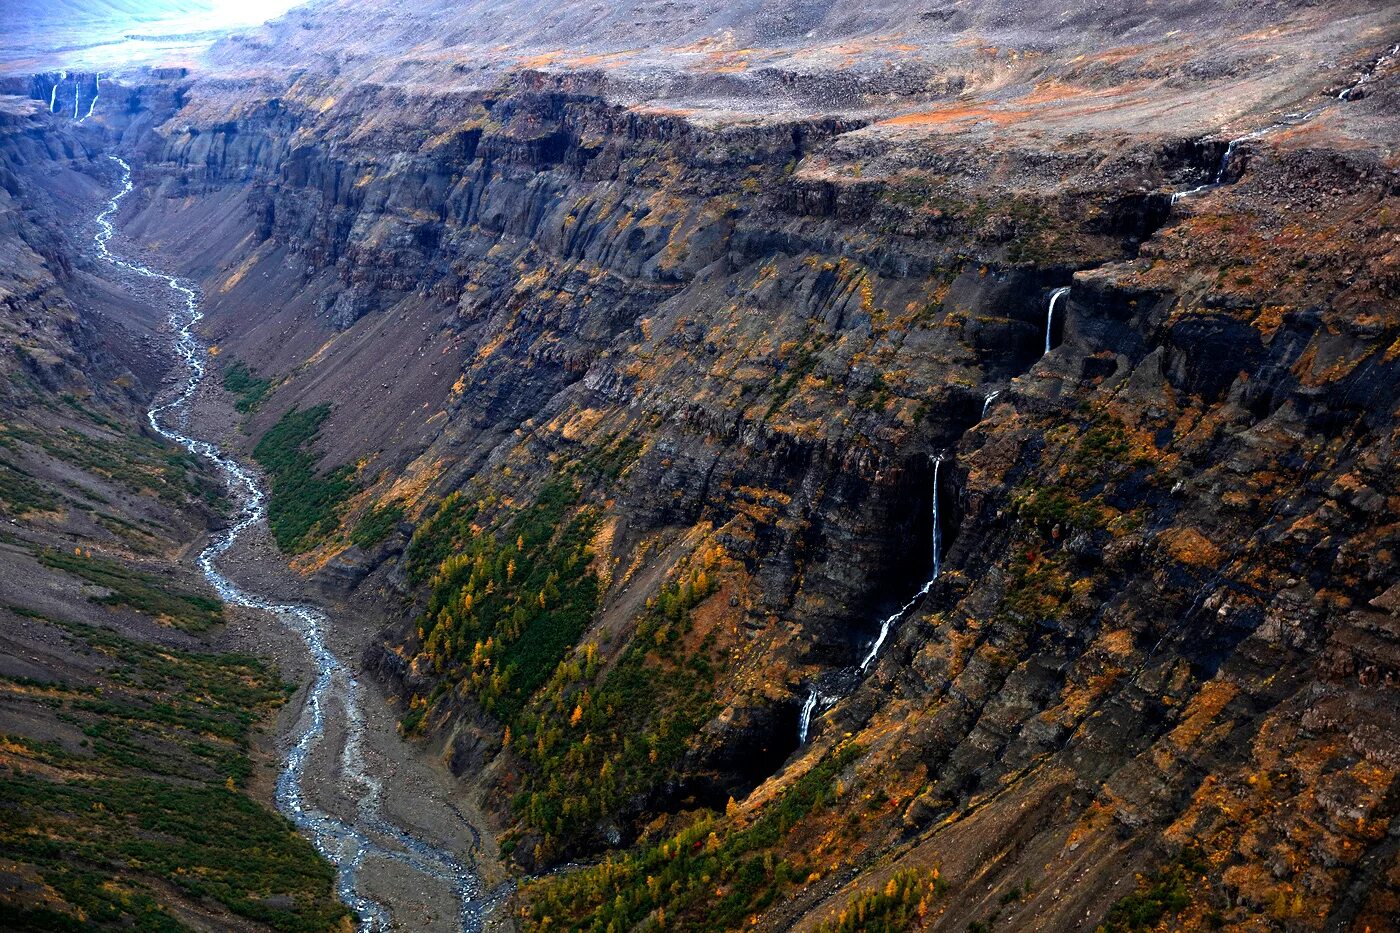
{"x":1222,"y":169}
{"x":346,"y":844}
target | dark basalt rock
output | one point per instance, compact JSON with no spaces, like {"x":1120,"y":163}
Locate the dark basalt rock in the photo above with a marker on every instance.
{"x":531,"y":273}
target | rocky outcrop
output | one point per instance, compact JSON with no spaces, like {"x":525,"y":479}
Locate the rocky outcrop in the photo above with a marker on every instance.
{"x":1164,"y":622}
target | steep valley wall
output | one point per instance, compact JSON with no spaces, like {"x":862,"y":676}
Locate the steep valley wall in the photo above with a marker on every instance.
{"x":649,"y":410}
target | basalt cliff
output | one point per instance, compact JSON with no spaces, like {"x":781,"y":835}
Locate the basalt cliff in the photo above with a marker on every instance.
{"x":802,"y":468}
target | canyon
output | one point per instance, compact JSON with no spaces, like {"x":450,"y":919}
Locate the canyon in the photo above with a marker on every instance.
{"x":768,"y":466}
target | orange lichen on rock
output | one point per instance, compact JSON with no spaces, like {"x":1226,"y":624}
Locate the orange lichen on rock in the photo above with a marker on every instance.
{"x":1192,"y":548}
{"x":1202,"y":712}
{"x":955,"y":117}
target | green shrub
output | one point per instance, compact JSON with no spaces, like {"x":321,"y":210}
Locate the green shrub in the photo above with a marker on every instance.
{"x":141,"y":464}
{"x":20,"y":494}
{"x":303,"y":506}
{"x":248,"y":390}
{"x":1166,"y":891}
{"x":140,"y":591}
{"x":597,"y":739}
{"x":374,"y":526}
{"x":904,"y":900}
{"x":677,"y":879}
{"x":506,"y":606}
{"x":609,"y":461}
{"x":152,"y":800}
{"x":444,"y":531}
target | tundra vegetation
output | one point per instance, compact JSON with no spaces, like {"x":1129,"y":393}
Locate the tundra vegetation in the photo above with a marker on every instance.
{"x":152,"y":795}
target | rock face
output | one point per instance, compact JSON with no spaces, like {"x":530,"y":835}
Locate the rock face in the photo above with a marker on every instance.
{"x":655,"y":391}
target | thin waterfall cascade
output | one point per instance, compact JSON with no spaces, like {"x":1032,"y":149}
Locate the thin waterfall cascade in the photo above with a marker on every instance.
{"x":987,"y":401}
{"x":345,"y":843}
{"x":1225,"y":160}
{"x":937,"y":529}
{"x":96,"y":92}
{"x":77,"y":89}
{"x":1218,"y":178}
{"x":1055,"y":297}
{"x":890,"y":621}
{"x":53,"y":95}
{"x":813,"y":704}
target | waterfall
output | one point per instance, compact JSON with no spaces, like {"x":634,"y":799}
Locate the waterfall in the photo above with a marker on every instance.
{"x":53,"y":92}
{"x":890,"y":621}
{"x":77,"y":87}
{"x":1055,"y":297}
{"x":1218,"y":179}
{"x":804,"y":721}
{"x":1225,"y":160}
{"x":987,"y":402}
{"x":937,"y":532}
{"x":96,"y":89}
{"x":817,"y":701}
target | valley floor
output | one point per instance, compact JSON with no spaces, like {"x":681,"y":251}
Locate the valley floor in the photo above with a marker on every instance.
{"x":131,"y":691}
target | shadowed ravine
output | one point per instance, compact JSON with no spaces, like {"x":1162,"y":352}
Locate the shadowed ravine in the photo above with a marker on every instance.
{"x":346,"y":844}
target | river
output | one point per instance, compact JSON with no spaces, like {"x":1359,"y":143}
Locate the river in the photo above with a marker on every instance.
{"x":334,"y":690}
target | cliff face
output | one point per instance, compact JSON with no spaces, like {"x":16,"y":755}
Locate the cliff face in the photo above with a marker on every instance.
{"x":653,"y":417}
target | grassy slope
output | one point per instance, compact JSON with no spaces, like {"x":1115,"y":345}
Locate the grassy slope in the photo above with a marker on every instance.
{"x":125,"y":747}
